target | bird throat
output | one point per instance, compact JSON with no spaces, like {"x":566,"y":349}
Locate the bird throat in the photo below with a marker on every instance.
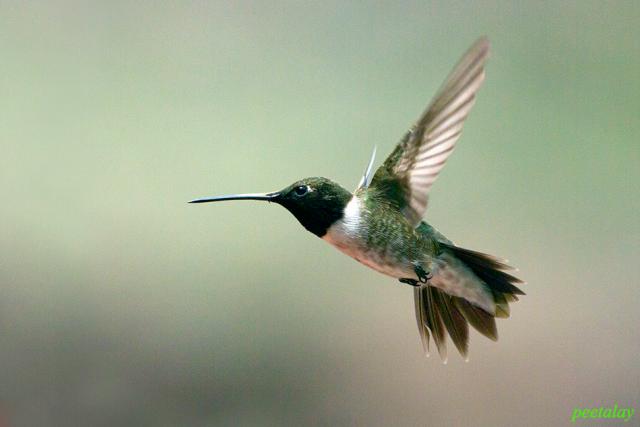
{"x":318,"y":216}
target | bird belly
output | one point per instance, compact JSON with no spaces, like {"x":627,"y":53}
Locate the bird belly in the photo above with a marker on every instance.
{"x":348,"y":241}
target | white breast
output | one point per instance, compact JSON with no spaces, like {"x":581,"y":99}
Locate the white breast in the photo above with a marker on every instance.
{"x":345,"y":234}
{"x":348,"y":235}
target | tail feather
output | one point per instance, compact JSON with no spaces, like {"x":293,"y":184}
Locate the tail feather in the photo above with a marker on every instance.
{"x":482,"y":321}
{"x":453,"y":320}
{"x":421,"y":318}
{"x":491,"y":271}
{"x":437,"y":310}
{"x":434,"y":321}
{"x":488,"y":268}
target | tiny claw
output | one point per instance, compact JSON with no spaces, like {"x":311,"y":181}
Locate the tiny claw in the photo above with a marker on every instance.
{"x":412,"y":282}
{"x":423,"y":276}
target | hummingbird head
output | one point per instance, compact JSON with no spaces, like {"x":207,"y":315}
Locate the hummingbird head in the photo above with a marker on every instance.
{"x":315,"y":202}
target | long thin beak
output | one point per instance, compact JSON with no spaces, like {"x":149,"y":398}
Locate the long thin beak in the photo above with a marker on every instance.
{"x":269,"y":197}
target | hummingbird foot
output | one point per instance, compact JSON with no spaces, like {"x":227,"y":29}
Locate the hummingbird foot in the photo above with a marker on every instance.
{"x":423,"y":276}
{"x":412,"y":282}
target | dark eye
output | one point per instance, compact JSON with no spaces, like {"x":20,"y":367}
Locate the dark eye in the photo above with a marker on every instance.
{"x":301,"y":190}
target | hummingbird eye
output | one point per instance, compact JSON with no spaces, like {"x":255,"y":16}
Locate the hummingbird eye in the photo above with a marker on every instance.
{"x":301,"y":190}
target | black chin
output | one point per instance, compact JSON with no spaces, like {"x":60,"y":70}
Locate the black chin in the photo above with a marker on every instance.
{"x":315,"y":220}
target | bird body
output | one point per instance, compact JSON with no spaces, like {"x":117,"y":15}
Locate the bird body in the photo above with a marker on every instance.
{"x":380,"y":224}
{"x":379,"y":237}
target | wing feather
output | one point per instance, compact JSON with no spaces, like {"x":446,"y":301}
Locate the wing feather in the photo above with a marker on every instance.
{"x":408,"y":173}
{"x":366,"y":178}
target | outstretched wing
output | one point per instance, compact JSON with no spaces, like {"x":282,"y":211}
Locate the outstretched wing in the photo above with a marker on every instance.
{"x":408,"y":173}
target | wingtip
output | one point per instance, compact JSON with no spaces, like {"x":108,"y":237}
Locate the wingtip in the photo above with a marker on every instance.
{"x":483,"y":39}
{"x":366,"y":178}
{"x":480,"y":48}
{"x":482,"y":43}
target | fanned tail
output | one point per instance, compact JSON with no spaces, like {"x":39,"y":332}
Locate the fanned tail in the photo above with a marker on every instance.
{"x":491,"y":271}
{"x":437,"y":311}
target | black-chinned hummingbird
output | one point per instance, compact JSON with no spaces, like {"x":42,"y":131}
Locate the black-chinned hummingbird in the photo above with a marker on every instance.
{"x":380,"y":224}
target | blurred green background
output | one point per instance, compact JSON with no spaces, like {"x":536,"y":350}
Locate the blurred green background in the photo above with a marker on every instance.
{"x":123,"y":305}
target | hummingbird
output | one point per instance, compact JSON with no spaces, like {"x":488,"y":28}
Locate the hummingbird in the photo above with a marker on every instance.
{"x":381,"y":223}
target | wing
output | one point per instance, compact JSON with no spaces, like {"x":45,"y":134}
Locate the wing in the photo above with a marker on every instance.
{"x":408,"y":173}
{"x":366,"y":178}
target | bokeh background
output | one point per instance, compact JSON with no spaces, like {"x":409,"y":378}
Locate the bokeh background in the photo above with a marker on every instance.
{"x":122,"y":305}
